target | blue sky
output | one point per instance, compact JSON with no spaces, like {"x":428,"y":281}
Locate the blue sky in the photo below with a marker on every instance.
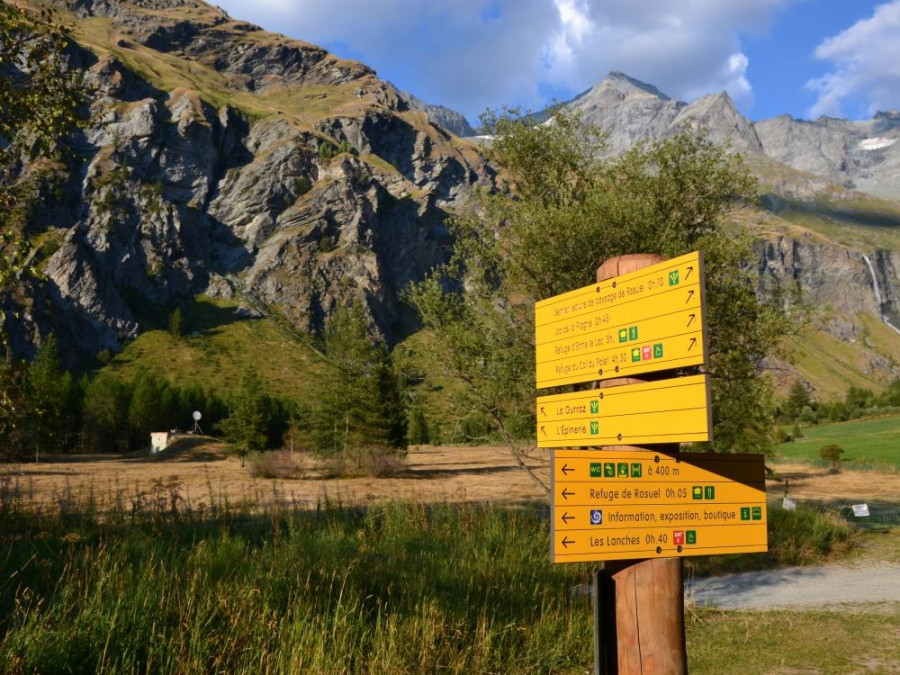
{"x":802,"y":57}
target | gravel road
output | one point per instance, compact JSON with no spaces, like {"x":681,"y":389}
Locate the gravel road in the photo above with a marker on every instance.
{"x":822,"y":587}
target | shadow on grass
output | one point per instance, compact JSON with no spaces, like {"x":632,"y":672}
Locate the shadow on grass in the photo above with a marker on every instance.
{"x":190,"y":449}
{"x":462,"y":471}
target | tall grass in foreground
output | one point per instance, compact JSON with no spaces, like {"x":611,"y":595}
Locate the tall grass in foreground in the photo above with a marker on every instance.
{"x":395,"y":588}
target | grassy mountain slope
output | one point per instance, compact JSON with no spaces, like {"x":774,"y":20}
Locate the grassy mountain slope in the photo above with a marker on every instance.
{"x":218,"y":345}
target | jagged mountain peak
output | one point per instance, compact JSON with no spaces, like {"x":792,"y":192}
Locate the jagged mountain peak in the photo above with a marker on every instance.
{"x":627,"y":86}
{"x":718,"y":117}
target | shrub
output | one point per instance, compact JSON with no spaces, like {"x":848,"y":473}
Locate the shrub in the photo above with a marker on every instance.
{"x":782,"y":435}
{"x":273,"y":464}
{"x":831,"y":453}
{"x":383,"y":462}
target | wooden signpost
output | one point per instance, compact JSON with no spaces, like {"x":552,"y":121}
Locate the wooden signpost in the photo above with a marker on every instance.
{"x":640,"y":509}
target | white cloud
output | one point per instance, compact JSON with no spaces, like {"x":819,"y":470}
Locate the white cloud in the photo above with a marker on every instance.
{"x":475,"y":54}
{"x":866,"y":73}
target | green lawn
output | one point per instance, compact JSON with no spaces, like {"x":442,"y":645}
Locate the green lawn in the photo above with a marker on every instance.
{"x":868,"y":442}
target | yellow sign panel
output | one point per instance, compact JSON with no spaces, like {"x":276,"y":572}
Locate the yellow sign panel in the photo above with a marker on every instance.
{"x":643,"y":504}
{"x":664,"y":411}
{"x":636,"y":323}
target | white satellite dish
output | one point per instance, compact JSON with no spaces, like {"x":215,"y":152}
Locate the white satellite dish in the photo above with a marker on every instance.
{"x":196,"y":428}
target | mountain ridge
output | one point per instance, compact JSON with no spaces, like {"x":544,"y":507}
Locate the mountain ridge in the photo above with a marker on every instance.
{"x":861,"y":155}
{"x":296,"y":187}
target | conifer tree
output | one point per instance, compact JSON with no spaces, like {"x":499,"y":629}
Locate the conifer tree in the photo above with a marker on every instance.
{"x":360,"y":404}
{"x":249,"y":415}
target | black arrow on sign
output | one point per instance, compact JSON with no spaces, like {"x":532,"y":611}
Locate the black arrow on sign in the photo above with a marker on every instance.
{"x":692,"y":318}
{"x":566,"y":494}
{"x":690,"y":296}
{"x":544,"y":430}
{"x":566,"y":518}
{"x":566,"y":541}
{"x":567,"y":469}
{"x":690,"y":272}
{"x":544,"y":410}
{"x":693,"y":344}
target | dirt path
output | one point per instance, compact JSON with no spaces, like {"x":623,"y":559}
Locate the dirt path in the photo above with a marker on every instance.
{"x":825,"y":587}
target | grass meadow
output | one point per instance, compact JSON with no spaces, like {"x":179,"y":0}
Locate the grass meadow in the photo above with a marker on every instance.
{"x":872,"y":443}
{"x":394,"y":588}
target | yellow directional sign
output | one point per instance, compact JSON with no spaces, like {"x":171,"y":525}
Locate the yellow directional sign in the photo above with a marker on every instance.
{"x":664,"y":411}
{"x":641,"y":322}
{"x":643,"y":504}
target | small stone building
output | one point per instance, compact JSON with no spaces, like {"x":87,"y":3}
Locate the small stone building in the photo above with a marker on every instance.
{"x":159,"y":441}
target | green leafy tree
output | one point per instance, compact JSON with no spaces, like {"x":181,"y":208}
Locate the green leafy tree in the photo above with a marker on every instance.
{"x":831,"y":453}
{"x":891,"y":395}
{"x":14,"y":408}
{"x":564,"y":212}
{"x":858,"y":398}
{"x":361,"y":403}
{"x":39,"y":97}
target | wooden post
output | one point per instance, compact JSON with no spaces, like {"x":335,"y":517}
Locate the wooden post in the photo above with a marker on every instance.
{"x":647,"y":633}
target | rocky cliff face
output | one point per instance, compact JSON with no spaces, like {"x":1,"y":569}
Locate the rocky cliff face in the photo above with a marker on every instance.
{"x":839,"y":286}
{"x":225,"y":160}
{"x":859,"y":155}
{"x":315,"y":184}
{"x":442,"y":116}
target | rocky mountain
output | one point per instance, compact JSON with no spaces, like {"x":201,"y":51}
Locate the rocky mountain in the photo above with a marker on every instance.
{"x":442,"y":116}
{"x":631,"y":111}
{"x":222,"y":159}
{"x":862,"y":156}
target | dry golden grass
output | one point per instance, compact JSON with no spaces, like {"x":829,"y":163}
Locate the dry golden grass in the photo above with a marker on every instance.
{"x":805,"y":481}
{"x":199,"y":472}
